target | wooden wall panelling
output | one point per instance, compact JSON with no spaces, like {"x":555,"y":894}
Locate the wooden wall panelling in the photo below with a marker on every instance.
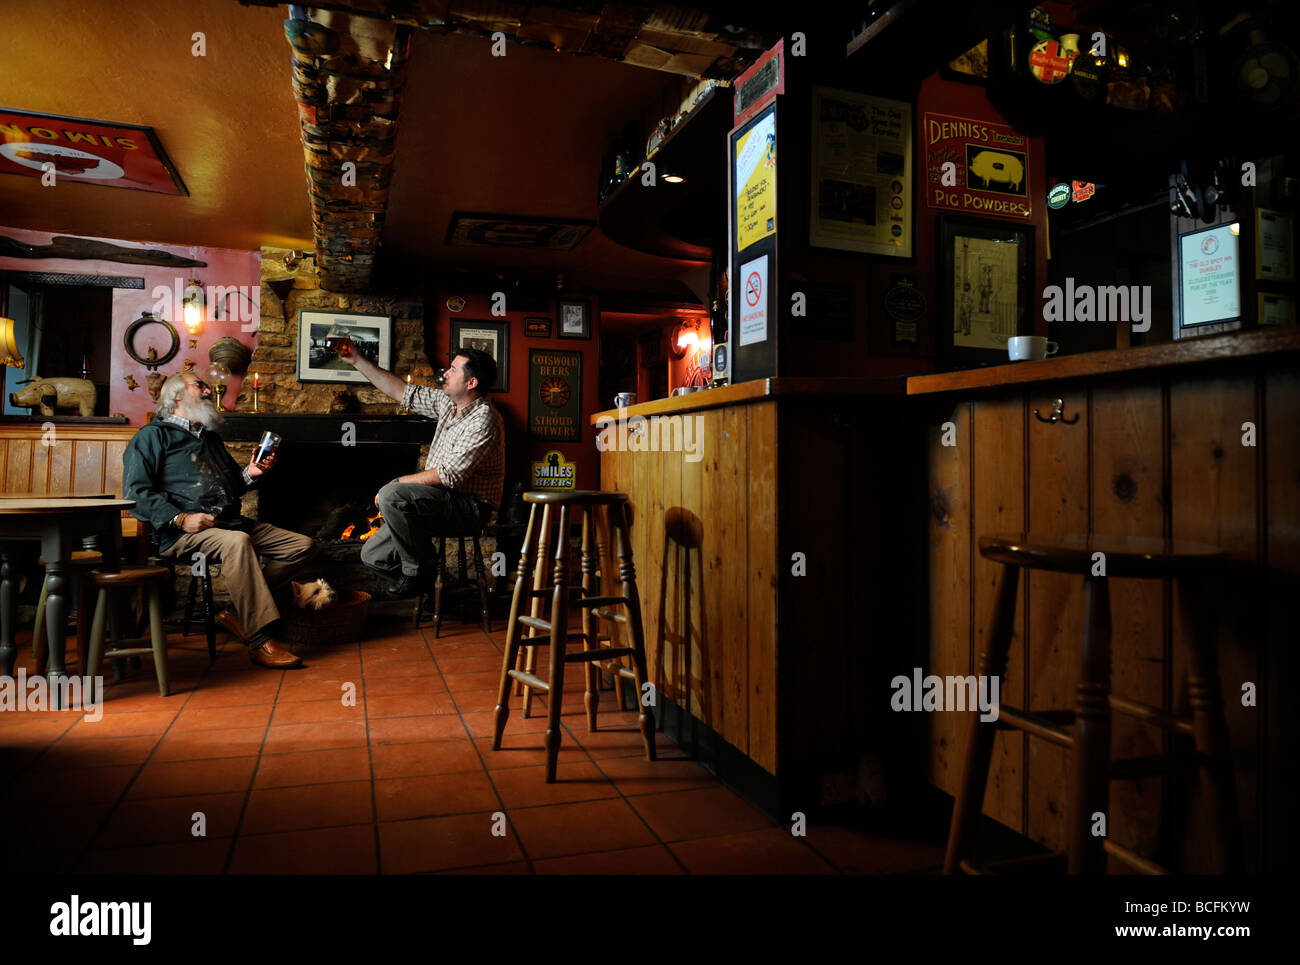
{"x":1128,"y":499}
{"x":1214,"y":500}
{"x":1058,"y":503}
{"x":998,"y":506}
{"x":647,"y":470}
{"x":88,"y":466}
{"x":690,"y":521}
{"x":613,"y":466}
{"x":763,"y":583}
{"x":1280,"y":439}
{"x":675,"y":628}
{"x":726,"y":540}
{"x":18,"y":465}
{"x":949,"y":567}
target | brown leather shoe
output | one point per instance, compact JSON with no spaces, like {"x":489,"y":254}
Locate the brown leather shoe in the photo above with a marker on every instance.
{"x":231,"y":622}
{"x":271,"y":654}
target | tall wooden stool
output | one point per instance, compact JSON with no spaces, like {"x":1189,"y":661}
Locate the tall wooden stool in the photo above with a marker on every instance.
{"x":1086,"y":729}
{"x":594,"y":607}
{"x":149,"y":578}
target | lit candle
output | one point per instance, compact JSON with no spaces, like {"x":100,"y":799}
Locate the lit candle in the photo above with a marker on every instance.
{"x":408,"y":379}
{"x":256,"y":378}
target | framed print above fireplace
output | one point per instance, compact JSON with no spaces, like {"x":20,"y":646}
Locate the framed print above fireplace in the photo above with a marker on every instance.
{"x":318,"y":359}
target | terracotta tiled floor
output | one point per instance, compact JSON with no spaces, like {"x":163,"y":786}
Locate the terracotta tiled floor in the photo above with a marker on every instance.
{"x":244,"y":770}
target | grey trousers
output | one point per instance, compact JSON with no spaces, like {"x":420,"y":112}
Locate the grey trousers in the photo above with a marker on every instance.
{"x":238,"y":553}
{"x":413,"y":515}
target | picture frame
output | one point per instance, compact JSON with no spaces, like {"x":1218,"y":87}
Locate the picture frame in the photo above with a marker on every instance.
{"x":372,"y":335}
{"x":537,"y":327}
{"x":574,"y":318}
{"x":986,"y":275}
{"x":491,"y":337}
{"x":515,"y":231}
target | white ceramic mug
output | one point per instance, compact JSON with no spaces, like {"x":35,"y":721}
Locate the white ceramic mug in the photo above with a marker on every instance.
{"x":1021,"y":348}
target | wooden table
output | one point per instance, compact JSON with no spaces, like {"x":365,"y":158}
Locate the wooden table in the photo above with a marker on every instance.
{"x":60,"y":523}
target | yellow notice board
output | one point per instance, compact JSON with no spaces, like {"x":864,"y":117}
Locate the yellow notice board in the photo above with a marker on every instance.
{"x":754,"y":178}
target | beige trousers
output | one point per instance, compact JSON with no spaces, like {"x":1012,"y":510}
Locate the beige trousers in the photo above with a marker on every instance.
{"x":239,"y":554}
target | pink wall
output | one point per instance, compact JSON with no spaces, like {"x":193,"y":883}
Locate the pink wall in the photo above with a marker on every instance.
{"x":224,"y":268}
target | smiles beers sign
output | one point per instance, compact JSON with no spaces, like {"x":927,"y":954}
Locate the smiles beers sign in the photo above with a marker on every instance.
{"x":974,"y":166}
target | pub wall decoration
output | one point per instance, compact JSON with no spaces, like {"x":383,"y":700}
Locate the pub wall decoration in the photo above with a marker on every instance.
{"x":91,"y":152}
{"x":318,"y":359}
{"x":990,"y":172}
{"x":509,"y":231}
{"x":985,"y":280}
{"x":490,"y":337}
{"x":554,"y":395}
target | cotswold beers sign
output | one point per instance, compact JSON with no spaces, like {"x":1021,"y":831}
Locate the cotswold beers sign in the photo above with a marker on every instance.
{"x":554,"y":395}
{"x":975,"y":166}
{"x":92,"y":152}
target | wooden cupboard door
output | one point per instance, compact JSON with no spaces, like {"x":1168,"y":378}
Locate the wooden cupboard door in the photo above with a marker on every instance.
{"x":1128,"y":481}
{"x":1214,"y":498}
{"x":1058,"y":504}
{"x":951,"y":632}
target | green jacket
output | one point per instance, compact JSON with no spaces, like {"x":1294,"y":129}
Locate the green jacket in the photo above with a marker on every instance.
{"x":167,"y":470}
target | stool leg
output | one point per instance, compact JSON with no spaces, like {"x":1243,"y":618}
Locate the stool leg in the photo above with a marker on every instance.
{"x":96,"y":653}
{"x":540,"y":580}
{"x":209,"y":611}
{"x":439,"y":572}
{"x":159,"y":640}
{"x":502,"y":711}
{"x":627,"y":577}
{"x":1089,"y":771}
{"x":979,"y":735}
{"x":591,"y":699}
{"x":83,"y":617}
{"x":1211,"y":728}
{"x":190,"y":601}
{"x":481,"y":570}
{"x":559,"y":635}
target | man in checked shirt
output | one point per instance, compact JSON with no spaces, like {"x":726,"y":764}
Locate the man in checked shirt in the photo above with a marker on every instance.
{"x":462,"y":478}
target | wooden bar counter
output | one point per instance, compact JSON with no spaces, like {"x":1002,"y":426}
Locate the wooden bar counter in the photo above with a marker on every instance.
{"x":1196,"y":441}
{"x":763,"y":614}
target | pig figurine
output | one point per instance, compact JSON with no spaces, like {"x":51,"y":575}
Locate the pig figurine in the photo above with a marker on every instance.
{"x":60,"y":392}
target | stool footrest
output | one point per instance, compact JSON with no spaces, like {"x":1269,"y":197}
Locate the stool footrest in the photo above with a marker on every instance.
{"x":1152,"y":715}
{"x":609,"y":615}
{"x":604,"y":653}
{"x":136,"y":651}
{"x":1054,"y":863}
{"x":602,"y":601}
{"x":1133,"y":859}
{"x":531,"y":680}
{"x":1039,"y":725}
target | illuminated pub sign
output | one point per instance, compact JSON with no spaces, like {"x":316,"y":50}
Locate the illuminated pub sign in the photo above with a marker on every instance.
{"x":554,"y":472}
{"x":60,"y":149}
{"x":977,"y":167}
{"x":554,"y":395}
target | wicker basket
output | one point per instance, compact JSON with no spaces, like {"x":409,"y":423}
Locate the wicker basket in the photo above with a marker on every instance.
{"x":340,"y":623}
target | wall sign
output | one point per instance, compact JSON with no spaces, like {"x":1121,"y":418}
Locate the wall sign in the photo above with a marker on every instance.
{"x":753,"y":301}
{"x":754,"y":177}
{"x":758,"y":86}
{"x":537,"y":327}
{"x":861,"y":173}
{"x":991,"y":165}
{"x":554,"y":395}
{"x":905,"y":304}
{"x":92,"y":152}
{"x":554,"y":472}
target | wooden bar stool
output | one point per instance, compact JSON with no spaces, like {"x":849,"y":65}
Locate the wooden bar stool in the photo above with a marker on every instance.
{"x":440,"y":574}
{"x":555,"y":629}
{"x":149,"y":578}
{"x":1086,"y":729}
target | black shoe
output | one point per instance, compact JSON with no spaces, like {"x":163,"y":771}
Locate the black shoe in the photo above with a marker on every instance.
{"x":406,"y":587}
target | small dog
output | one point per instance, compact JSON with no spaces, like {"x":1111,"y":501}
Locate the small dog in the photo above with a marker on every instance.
{"x":313,"y":596}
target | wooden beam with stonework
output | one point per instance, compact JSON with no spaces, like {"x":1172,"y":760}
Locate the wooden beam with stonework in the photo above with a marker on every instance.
{"x":348,"y":75}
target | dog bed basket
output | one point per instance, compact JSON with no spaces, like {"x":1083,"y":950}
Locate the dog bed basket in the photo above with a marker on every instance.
{"x":340,"y":623}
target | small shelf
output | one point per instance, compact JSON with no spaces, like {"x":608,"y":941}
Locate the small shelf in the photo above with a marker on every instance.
{"x":684,"y":221}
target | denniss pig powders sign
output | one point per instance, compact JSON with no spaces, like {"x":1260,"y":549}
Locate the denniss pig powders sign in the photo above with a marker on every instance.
{"x":554,"y":395}
{"x":974,"y":166}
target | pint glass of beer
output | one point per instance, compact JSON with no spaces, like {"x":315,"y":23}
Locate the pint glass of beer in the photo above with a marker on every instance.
{"x":339,"y":341}
{"x":270,"y":442}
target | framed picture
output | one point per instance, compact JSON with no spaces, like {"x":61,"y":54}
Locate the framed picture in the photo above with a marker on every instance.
{"x":537,"y":327}
{"x":515,"y":231}
{"x":985,"y":283}
{"x":575,"y":320}
{"x":554,"y":395}
{"x":372,"y":336}
{"x":490,"y":337}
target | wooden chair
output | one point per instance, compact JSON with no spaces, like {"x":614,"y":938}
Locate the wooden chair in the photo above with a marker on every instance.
{"x":555,"y":629}
{"x":201,"y":582}
{"x":1086,"y":729}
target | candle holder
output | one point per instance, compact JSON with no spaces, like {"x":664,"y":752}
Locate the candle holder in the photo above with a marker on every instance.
{"x":254,"y":396}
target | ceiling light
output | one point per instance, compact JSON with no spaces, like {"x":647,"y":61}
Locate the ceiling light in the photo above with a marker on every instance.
{"x":674,"y":178}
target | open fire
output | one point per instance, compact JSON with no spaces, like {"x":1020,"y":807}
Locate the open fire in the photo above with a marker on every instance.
{"x":363,"y":531}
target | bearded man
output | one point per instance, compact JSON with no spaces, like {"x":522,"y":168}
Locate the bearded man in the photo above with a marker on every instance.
{"x":188,"y":488}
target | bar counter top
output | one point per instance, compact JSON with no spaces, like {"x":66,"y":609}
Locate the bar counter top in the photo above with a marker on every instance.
{"x":1113,"y":362}
{"x":758,"y":390}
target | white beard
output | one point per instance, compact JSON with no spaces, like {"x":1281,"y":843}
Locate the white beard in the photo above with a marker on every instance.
{"x":202,"y":412}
